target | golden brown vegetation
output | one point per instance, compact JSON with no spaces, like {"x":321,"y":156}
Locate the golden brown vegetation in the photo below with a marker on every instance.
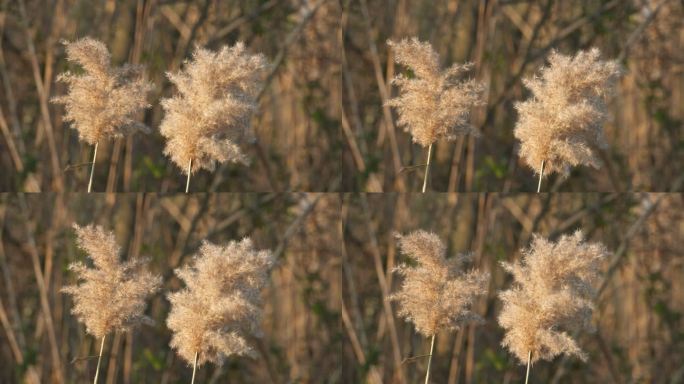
{"x":298,"y":144}
{"x":637,"y":307}
{"x":301,"y":335}
{"x":436,"y":293}
{"x":551,"y":296}
{"x":433,"y":104}
{"x":562,"y":124}
{"x":111,"y":296}
{"x":102,"y":102}
{"x":220,"y":307}
{"x":508,"y":41}
{"x":209,"y":119}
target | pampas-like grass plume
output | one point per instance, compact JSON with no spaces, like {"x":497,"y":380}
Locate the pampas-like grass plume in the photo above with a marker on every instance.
{"x":436,"y":293}
{"x":112,"y":294}
{"x":433,"y":103}
{"x":562,"y":124}
{"x":220,"y":305}
{"x":209,"y":118}
{"x":102,"y":101}
{"x":551,"y":295}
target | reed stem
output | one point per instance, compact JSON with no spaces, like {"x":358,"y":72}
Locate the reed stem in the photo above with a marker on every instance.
{"x":427,"y":168}
{"x":187,"y":183}
{"x":432,"y":348}
{"x":529,"y":358}
{"x":541,"y":174}
{"x":99,"y":359}
{"x":194,"y":368}
{"x":92,"y":168}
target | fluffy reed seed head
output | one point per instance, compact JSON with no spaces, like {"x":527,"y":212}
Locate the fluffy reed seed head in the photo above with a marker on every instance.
{"x":436,"y":294}
{"x":112,"y":294}
{"x":209,"y":117}
{"x":432,"y":103}
{"x":220,"y":305}
{"x":551,"y":295}
{"x":102,"y":102}
{"x":562,"y":124}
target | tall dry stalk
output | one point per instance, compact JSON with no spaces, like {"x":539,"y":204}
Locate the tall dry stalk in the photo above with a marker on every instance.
{"x":551,"y":295}
{"x":541,"y":176}
{"x":209,"y":118}
{"x":433,"y":103}
{"x":102,"y":101}
{"x":99,"y":360}
{"x":427,"y":169}
{"x":219,"y":308}
{"x":562,"y":124}
{"x":436,"y":293}
{"x":111,"y":295}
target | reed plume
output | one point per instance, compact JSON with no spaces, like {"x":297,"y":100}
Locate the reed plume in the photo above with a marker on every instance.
{"x":561,"y":125}
{"x":102,"y":101}
{"x":219,"y":308}
{"x":552,"y":294}
{"x":433,"y":104}
{"x":209,"y":118}
{"x":436,"y":293}
{"x":111,"y":295}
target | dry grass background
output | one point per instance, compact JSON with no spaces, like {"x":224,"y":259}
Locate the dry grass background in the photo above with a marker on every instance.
{"x":41,"y":340}
{"x":297,"y":125}
{"x":638,"y":315}
{"x":509,"y":40}
{"x":324,"y":124}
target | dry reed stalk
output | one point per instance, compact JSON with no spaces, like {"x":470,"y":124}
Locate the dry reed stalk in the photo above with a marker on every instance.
{"x":432,"y":348}
{"x":194,"y":368}
{"x":212,"y":317}
{"x":562,"y":124}
{"x":427,"y":168}
{"x":92,"y":168}
{"x":43,"y":100}
{"x":99,"y":360}
{"x":209,"y":118}
{"x":433,"y":103}
{"x":552,"y":294}
{"x":111,"y":295}
{"x":102,"y":101}
{"x":436,"y":293}
{"x":388,"y":316}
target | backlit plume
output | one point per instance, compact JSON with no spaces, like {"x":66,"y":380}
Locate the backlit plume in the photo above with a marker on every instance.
{"x":111,"y":295}
{"x":551,"y":295}
{"x":562,"y":123}
{"x":436,"y":293}
{"x":220,"y":307}
{"x":102,"y":102}
{"x":209,"y":118}
{"x":433,"y":104}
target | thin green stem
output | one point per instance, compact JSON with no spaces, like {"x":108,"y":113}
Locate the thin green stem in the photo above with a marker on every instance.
{"x":432,"y":348}
{"x":194,"y":368}
{"x":92,"y":168}
{"x":541,"y":174}
{"x":427,"y":168}
{"x":187,"y":183}
{"x":99,"y":359}
{"x":529,"y":359}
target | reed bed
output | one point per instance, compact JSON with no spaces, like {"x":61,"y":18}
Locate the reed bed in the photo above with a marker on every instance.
{"x":599,"y":305}
{"x":630,"y":124}
{"x":296,"y":337}
{"x":294,"y":140}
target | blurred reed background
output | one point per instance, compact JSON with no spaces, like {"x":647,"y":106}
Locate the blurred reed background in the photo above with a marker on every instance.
{"x":40,"y":338}
{"x":297,"y":125}
{"x":508,"y":40}
{"x":638,"y":316}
